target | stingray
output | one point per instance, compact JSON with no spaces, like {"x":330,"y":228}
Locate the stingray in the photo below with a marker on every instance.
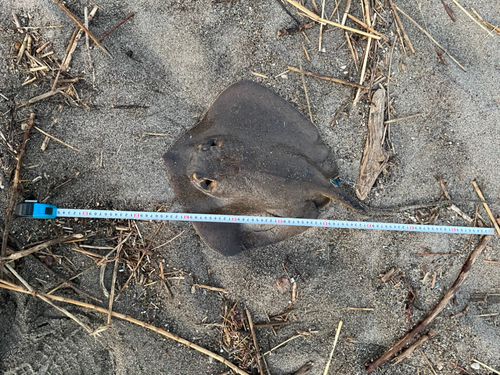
{"x":252,"y":154}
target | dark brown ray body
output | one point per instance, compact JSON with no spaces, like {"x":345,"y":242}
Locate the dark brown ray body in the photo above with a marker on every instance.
{"x":252,"y":154}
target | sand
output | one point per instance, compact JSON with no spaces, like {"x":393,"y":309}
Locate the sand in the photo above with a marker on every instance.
{"x":184,"y":53}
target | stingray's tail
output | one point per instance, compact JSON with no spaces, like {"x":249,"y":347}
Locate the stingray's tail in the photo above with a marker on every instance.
{"x":398,"y":209}
{"x":340,"y":196}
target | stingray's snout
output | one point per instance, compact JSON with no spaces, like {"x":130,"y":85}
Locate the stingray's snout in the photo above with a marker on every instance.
{"x":205,"y":184}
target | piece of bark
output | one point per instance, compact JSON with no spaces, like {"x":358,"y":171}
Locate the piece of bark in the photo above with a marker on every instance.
{"x":374,"y":156}
{"x":45,"y":143}
{"x":385,"y":278}
{"x":283,"y":284}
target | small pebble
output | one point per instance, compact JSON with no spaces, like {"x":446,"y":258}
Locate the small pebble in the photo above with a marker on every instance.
{"x":475,"y":366}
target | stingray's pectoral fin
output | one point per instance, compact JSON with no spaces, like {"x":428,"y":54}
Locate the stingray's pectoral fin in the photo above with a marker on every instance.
{"x":225,"y":239}
{"x":231,"y":239}
{"x":340,"y":196}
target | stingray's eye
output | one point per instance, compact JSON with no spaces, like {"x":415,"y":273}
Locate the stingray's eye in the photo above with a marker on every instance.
{"x":204,"y":183}
{"x":207,"y":185}
{"x":210,"y":143}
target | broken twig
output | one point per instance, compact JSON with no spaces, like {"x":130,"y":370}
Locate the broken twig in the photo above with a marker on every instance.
{"x":487,"y":367}
{"x":113,"y":282}
{"x":402,"y":118}
{"x":316,"y":18}
{"x":327,"y":367}
{"x":490,"y":26}
{"x":431,"y":38}
{"x":213,"y":288}
{"x":400,"y":25}
{"x":305,"y":90}
{"x":319,"y":76}
{"x":114,"y":28}
{"x":486,"y":207}
{"x":82,"y":26}
{"x":470,"y":16}
{"x":45,"y":245}
{"x":14,"y":189}
{"x":77,"y":34}
{"x":429,"y":335}
{"x":304,"y":369}
{"x":56,"y":139}
{"x":369,"y":28}
{"x":255,"y":343}
{"x":448,"y":10}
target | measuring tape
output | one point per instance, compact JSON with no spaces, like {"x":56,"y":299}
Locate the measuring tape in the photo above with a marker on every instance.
{"x":35,"y":210}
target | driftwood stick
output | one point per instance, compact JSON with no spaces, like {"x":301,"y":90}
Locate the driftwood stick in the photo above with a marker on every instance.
{"x":490,"y":26}
{"x":437,"y":309}
{"x":431,"y":38}
{"x":321,"y":25}
{"x":45,"y":299}
{"x":374,"y":155}
{"x":365,"y":55}
{"x":369,"y":28}
{"x":86,"y":22}
{"x":16,"y":21}
{"x":13,"y":194}
{"x":305,"y":90}
{"x":82,"y":26}
{"x":486,"y":207}
{"x":400,"y":118}
{"x":160,"y":331}
{"x":255,"y":343}
{"x":470,"y":16}
{"x":56,"y":139}
{"x":164,"y":282}
{"x":77,"y":35}
{"x":114,"y":28}
{"x":429,"y":335}
{"x":215,"y":289}
{"x":346,"y":11}
{"x":317,"y":18}
{"x":319,"y":76}
{"x":327,"y":367}
{"x":486,"y":366}
{"x":113,"y":282}
{"x":283,"y":343}
{"x":401,"y":27}
{"x":45,"y":245}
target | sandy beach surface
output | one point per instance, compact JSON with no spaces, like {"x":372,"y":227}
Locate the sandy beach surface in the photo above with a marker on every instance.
{"x":169,"y":62}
